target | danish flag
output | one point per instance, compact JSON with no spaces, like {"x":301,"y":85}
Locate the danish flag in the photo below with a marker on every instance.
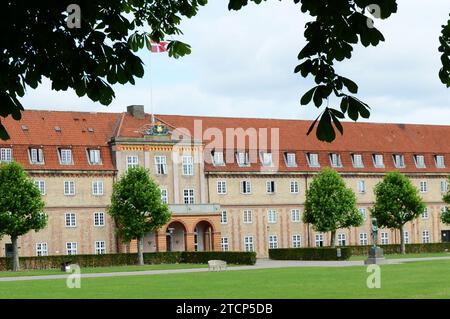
{"x":159,"y":47}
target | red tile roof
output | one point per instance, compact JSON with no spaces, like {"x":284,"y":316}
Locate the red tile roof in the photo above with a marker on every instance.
{"x":362,"y":138}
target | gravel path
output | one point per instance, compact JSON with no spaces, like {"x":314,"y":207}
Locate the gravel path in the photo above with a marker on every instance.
{"x":260,"y":264}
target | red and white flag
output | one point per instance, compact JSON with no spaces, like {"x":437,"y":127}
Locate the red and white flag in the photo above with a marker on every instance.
{"x":159,"y":47}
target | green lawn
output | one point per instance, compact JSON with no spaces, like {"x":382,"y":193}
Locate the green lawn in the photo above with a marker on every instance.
{"x":397,"y":256}
{"x":101,"y":269}
{"x":424,"y":279}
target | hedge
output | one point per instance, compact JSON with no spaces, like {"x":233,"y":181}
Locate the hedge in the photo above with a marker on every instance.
{"x":106,"y":260}
{"x":410,"y":248}
{"x":319,"y":253}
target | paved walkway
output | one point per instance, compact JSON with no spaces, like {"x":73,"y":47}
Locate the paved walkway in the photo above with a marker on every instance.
{"x":260,"y":264}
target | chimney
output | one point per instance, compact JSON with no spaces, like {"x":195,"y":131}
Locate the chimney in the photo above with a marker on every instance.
{"x":136,"y":111}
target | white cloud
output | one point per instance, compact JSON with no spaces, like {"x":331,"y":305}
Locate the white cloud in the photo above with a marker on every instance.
{"x":242,"y":65}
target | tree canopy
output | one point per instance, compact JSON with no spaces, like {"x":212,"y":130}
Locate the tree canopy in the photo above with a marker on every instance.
{"x":21,"y":205}
{"x":397,"y":201}
{"x":330,"y":205}
{"x":136,"y":206}
{"x":445,"y":216}
{"x":101,"y":52}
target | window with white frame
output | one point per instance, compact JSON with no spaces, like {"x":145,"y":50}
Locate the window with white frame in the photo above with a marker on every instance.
{"x":65,"y":156}
{"x":425,"y":236}
{"x":223,"y":217}
{"x":100,"y":247}
{"x":444,"y":186}
{"x":270,"y":187}
{"x":188,"y":165}
{"x":319,"y":240}
{"x":439,"y":159}
{"x":69,"y":188}
{"x":5,"y":154}
{"x":248,"y":243}
{"x":132,"y":161}
{"x":296,"y":241}
{"x":36,"y":155}
{"x":378,"y":160}
{"x":99,"y":219}
{"x":423,"y":186}
{"x":164,"y":195}
{"x":94,"y":157}
{"x":313,"y":159}
{"x":361,"y":186}
{"x":41,"y":249}
{"x":189,"y":197}
{"x":70,"y":219}
{"x":363,"y":241}
{"x":363,"y":213}
{"x":357,"y":160}
{"x":335,"y":160}
{"x":294,"y":189}
{"x":384,"y":238}
{"x":71,"y":248}
{"x":272,"y":216}
{"x":406,"y":237}
{"x":291,"y":160}
{"x":342,"y":239}
{"x":248,"y":216}
{"x":399,"y":160}
{"x":425,"y":213}
{"x":420,"y":161}
{"x":41,"y":185}
{"x":266,"y":159}
{"x":161,"y":164}
{"x":225,"y":244}
{"x":273,"y":241}
{"x":444,"y":209}
{"x":221,"y":187}
{"x":246,"y":187}
{"x":295,"y":215}
{"x":218,"y":158}
{"x":97,"y":188}
{"x":243,"y":159}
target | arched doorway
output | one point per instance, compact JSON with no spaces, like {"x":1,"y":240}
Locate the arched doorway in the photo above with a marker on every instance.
{"x":203,"y":236}
{"x":176,"y":236}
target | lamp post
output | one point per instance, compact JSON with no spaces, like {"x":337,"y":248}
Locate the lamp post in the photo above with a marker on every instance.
{"x":171,"y":229}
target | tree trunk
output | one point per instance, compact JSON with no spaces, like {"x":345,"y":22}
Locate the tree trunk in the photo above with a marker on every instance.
{"x":402,"y":241}
{"x":16,"y":265}
{"x":333,"y":239}
{"x":141,"y":251}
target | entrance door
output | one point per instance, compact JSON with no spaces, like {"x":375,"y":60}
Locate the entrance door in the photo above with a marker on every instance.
{"x":445,"y":236}
{"x":169,"y":242}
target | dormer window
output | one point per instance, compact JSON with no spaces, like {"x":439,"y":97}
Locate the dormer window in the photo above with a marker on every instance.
{"x":36,"y":155}
{"x":5,"y":154}
{"x":218,"y":159}
{"x":420,"y":161}
{"x":357,"y":160}
{"x":313,"y":159}
{"x":335,"y":160}
{"x":65,"y":156}
{"x":266,"y":158}
{"x":439,"y":159}
{"x":291,"y":160}
{"x":242,"y":159}
{"x":399,"y":160}
{"x":378,"y":160}
{"x":94,"y":157}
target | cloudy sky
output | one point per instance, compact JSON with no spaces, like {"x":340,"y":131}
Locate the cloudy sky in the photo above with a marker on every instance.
{"x":242,"y":65}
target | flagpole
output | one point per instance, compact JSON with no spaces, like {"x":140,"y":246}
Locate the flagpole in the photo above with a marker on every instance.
{"x":151,"y":89}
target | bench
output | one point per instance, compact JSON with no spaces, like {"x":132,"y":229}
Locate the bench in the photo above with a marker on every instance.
{"x":217,"y":265}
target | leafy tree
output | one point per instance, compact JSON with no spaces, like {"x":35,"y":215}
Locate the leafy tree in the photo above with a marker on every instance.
{"x":137,"y":208}
{"x":21,"y":206}
{"x":445,"y":216}
{"x":397,"y":202}
{"x":330,"y":205}
{"x":100,"y":53}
